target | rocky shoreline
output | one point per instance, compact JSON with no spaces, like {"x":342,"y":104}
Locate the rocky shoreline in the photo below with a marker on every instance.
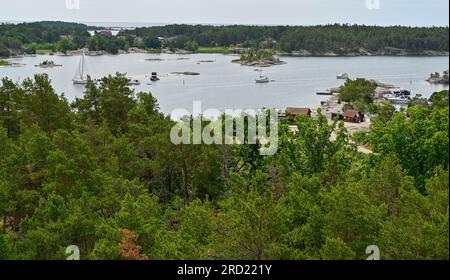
{"x":48,"y":64}
{"x":440,"y":80}
{"x":259,"y":63}
{"x":333,"y":105}
{"x":437,"y":78}
{"x":267,"y":63}
{"x":364,"y":52}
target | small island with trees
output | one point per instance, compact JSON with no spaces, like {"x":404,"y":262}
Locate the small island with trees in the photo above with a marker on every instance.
{"x":437,"y":78}
{"x":259,"y":58}
{"x":48,"y":64}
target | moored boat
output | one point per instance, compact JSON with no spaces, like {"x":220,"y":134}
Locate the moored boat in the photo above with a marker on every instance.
{"x":325,"y":92}
{"x":262,"y":79}
{"x":134,"y":82}
{"x":396,"y":99}
{"x":343,"y":76}
{"x":400,"y":92}
{"x":81,"y":74}
{"x":154,"y":77}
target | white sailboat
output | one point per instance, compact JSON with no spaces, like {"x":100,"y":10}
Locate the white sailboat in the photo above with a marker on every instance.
{"x":262,"y":79}
{"x":81,"y":74}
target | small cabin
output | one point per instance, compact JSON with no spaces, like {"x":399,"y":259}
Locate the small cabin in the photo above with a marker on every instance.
{"x":293,"y":112}
{"x":353,"y":116}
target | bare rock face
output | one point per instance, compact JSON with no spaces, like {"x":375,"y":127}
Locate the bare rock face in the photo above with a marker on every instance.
{"x":260,"y":63}
{"x":436,"y":53}
{"x":440,"y":80}
{"x":301,"y":53}
{"x":364,"y":52}
{"x":381,"y":91}
{"x":393,"y":51}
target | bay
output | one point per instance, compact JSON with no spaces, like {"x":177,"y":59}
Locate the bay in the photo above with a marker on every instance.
{"x":224,"y":85}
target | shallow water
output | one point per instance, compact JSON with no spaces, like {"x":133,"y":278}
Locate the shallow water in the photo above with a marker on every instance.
{"x":225,"y":85}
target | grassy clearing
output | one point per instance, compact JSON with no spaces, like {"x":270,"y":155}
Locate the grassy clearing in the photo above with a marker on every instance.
{"x":50,"y":52}
{"x":5,"y":63}
{"x":222,"y":50}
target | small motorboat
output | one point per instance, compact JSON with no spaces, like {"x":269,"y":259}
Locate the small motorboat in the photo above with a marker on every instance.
{"x":325,"y":92}
{"x":401,"y":92}
{"x":134,"y":83}
{"x":343,"y":76}
{"x":395,"y":99}
{"x":154,"y":77}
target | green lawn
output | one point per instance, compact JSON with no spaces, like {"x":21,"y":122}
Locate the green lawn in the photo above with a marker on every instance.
{"x":5,"y":63}
{"x":223,"y":50}
{"x":44,"y":52}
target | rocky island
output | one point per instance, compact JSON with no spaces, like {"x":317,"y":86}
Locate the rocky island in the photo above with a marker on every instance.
{"x":260,"y":58}
{"x":48,"y":64}
{"x":436,"y":78}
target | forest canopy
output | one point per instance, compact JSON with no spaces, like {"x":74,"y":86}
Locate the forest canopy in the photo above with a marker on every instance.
{"x":101,"y":173}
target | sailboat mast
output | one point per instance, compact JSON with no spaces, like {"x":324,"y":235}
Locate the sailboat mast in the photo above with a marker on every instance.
{"x":82,"y":65}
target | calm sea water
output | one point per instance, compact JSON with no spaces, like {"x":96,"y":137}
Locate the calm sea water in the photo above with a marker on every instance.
{"x":225,"y":85}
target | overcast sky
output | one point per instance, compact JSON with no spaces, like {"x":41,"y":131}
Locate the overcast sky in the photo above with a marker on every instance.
{"x":291,"y":12}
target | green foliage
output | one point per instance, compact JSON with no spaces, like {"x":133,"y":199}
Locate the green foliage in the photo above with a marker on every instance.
{"x":43,"y":106}
{"x":258,"y":55}
{"x":336,"y":249}
{"x":110,"y":44}
{"x":5,"y":63}
{"x":81,"y":174}
{"x":439,"y":99}
{"x":11,"y":102}
{"x":358,"y":92}
{"x":152,"y":42}
{"x":386,"y":111}
{"x":311,"y":150}
{"x":65,"y":45}
{"x":427,"y":216}
{"x":191,"y":46}
{"x":419,"y":139}
{"x":14,"y":38}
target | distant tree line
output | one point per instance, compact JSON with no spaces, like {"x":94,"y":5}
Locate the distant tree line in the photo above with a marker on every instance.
{"x":30,"y":37}
{"x":314,"y":40}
